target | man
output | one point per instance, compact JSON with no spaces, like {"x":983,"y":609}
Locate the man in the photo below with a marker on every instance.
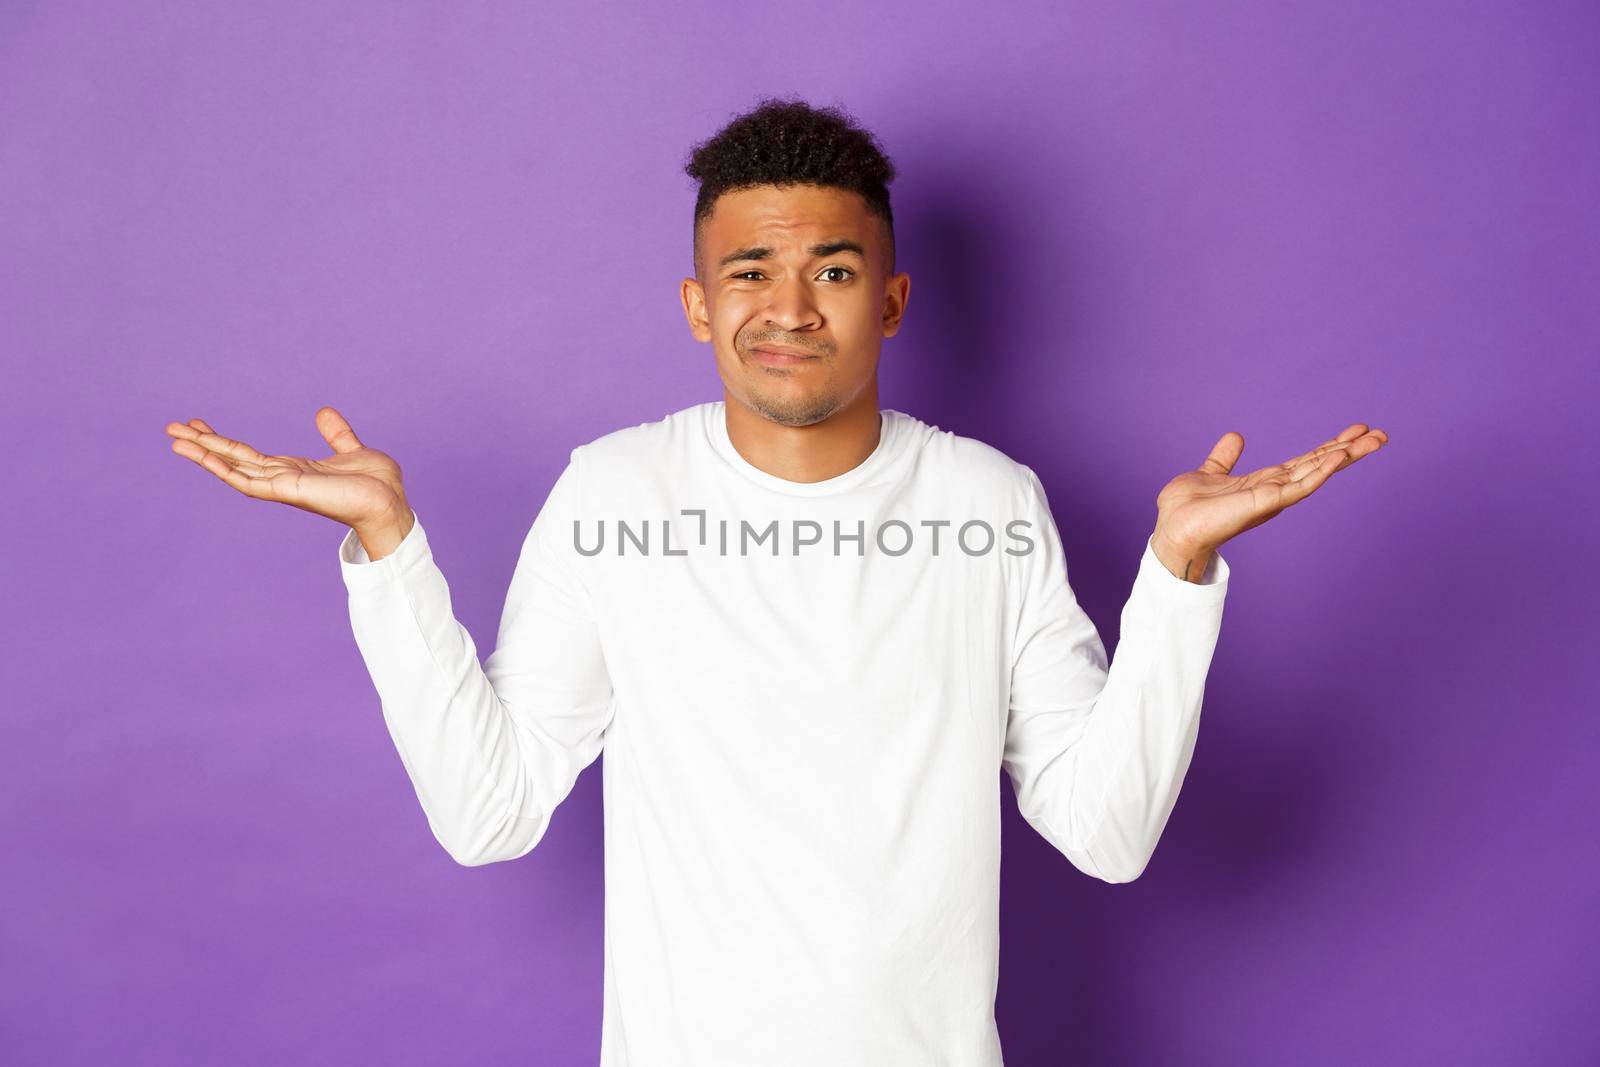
{"x":807,"y":632}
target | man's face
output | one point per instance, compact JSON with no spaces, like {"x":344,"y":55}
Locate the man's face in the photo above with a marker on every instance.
{"x":803,"y":269}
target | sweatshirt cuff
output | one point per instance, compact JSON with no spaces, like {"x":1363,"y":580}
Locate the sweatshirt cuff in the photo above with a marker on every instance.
{"x":362,"y":572}
{"x":1155,"y":580}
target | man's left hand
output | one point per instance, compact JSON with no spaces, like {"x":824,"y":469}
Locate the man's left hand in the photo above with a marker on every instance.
{"x":1200,"y":510}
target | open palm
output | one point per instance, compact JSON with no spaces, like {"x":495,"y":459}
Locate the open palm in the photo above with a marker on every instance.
{"x":1205,"y":507}
{"x":356,"y":485}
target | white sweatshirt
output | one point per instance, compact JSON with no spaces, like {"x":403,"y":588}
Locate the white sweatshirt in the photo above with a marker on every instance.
{"x":802,"y":733}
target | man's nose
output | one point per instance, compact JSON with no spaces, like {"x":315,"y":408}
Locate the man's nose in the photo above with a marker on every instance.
{"x":792,"y":305}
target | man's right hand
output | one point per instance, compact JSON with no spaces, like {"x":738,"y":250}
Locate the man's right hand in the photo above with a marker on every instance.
{"x":357,"y":486}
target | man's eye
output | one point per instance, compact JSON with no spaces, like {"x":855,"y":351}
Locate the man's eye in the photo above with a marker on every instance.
{"x":846,"y":271}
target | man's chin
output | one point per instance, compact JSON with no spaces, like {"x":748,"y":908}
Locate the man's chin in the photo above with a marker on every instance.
{"x":797,"y":410}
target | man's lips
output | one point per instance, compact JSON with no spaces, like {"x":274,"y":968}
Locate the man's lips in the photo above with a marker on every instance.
{"x":780,"y":355}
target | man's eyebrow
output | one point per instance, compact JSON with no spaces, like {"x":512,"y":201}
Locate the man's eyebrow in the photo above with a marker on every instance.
{"x":833,"y":248}
{"x":824,"y":248}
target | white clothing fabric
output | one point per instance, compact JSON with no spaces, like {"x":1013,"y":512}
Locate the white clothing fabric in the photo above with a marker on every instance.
{"x":805,"y":693}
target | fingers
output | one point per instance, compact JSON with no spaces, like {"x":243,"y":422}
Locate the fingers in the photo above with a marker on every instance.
{"x":1224,"y":454}
{"x":336,"y":431}
{"x":1350,"y":445}
{"x":1305,"y":477}
{"x":211,"y":441}
{"x":1355,"y":440}
{"x":1344,"y":437}
{"x":251,"y":479}
{"x":1315,"y":461}
{"x":1362,"y":445}
{"x":233,"y":462}
{"x":1351,"y":432}
{"x":1320,"y":471}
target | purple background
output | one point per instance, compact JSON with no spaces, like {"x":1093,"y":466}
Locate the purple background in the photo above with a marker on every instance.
{"x":1128,"y":233}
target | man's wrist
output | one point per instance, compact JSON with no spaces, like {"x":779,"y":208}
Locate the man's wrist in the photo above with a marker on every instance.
{"x":380,"y":538}
{"x":1184,"y":561}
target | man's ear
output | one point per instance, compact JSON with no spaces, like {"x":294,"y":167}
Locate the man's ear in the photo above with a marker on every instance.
{"x":897,"y":293}
{"x":694,"y":309}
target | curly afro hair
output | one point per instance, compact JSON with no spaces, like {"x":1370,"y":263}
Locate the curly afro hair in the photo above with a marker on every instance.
{"x":787,"y":142}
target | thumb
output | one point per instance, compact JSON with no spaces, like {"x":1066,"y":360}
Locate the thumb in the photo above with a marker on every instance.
{"x":336,"y":431}
{"x":1224,"y":454}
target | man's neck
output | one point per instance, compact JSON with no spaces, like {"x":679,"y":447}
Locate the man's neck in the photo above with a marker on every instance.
{"x":814,"y":453}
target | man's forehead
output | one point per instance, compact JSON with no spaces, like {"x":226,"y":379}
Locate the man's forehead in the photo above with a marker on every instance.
{"x":793,"y":213}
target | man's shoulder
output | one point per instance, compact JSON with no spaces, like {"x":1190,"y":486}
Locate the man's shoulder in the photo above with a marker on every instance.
{"x":965,"y":460}
{"x":624,"y":449}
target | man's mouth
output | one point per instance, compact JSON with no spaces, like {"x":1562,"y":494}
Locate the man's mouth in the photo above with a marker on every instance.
{"x":780,"y":355}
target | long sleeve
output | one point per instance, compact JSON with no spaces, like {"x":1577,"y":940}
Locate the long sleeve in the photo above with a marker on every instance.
{"x":490,"y":750}
{"x":1097,"y":756}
